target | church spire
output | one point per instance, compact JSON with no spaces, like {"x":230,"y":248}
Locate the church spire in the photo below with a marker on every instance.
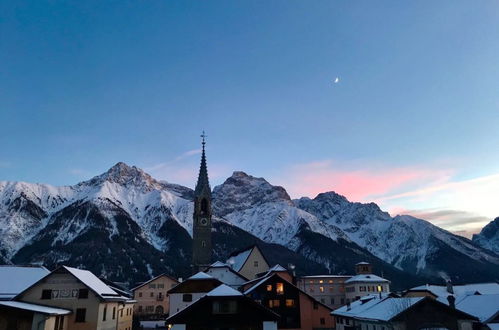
{"x":203,"y":171}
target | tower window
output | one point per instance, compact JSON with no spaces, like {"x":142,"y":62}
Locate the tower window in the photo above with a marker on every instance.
{"x":204,"y":206}
{"x":203,"y":243}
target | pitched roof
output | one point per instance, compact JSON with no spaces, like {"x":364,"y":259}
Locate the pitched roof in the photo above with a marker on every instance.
{"x":466,"y":289}
{"x":24,"y":277}
{"x":223,"y":291}
{"x":366,"y":278}
{"x":238,"y":258}
{"x":152,"y":279}
{"x":48,"y":310}
{"x":200,"y":282}
{"x":386,"y":308}
{"x":200,"y":276}
{"x":484,"y":307}
{"x":219,"y":264}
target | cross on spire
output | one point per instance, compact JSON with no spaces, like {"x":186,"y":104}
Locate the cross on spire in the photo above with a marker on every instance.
{"x":203,"y":183}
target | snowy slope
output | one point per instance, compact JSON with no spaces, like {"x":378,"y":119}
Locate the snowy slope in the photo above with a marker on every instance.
{"x":488,"y":238}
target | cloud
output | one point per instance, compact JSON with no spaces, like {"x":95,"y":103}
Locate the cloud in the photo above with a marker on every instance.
{"x":356,"y":184}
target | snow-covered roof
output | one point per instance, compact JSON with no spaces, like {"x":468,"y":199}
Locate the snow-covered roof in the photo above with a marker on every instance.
{"x":237,"y":261}
{"x":224,"y":291}
{"x":484,"y":307}
{"x":376,"y":308}
{"x":200,"y":276}
{"x":493,"y":326}
{"x":35,"y":308}
{"x":15,"y":279}
{"x":217,"y":264}
{"x":326,"y":276}
{"x":278,"y":268}
{"x":152,"y":279}
{"x":93,"y":282}
{"x":362,"y":263}
{"x":366,"y":278}
{"x":459,"y":290}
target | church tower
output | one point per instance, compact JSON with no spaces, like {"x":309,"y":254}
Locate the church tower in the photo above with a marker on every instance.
{"x":201,"y":224}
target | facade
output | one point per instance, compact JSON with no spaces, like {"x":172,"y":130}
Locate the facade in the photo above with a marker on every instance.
{"x":328,"y":289}
{"x":224,"y":308}
{"x":365,"y":284}
{"x":201,"y":224}
{"x":225,"y":274}
{"x":152,"y":296}
{"x":249,"y":262}
{"x":94,"y":305}
{"x":23,"y":316}
{"x":25,"y":276}
{"x":195,"y":287}
{"x":385,"y":312}
{"x":297,"y":309}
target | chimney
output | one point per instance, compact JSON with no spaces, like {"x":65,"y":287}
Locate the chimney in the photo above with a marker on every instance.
{"x":450,"y":289}
{"x":452,"y":301}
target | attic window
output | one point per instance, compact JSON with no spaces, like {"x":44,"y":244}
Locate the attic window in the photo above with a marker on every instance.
{"x":279,"y":288}
{"x":269,"y":287}
{"x":187,"y":297}
{"x":255,"y":263}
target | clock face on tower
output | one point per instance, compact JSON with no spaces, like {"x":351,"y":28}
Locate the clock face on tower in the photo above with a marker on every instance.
{"x":203,"y":222}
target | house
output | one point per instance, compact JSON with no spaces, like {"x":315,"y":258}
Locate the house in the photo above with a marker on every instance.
{"x":195,"y":287}
{"x":364,"y":283}
{"x":328,"y":289}
{"x":383,"y":312}
{"x":249,"y":262}
{"x":225,"y":274}
{"x":24,"y":277}
{"x":24,"y":316}
{"x":436,"y":291}
{"x":297,"y":309}
{"x":485,"y":307}
{"x":93,"y":304}
{"x":152,"y":298}
{"x":224,"y":308}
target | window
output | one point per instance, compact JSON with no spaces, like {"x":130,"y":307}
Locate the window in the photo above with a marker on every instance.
{"x":203,"y":243}
{"x":269,"y":287}
{"x":332,"y":301}
{"x":362,"y":288}
{"x":380,"y":288}
{"x":83,"y":294}
{"x":255,"y":263}
{"x":152,"y":294}
{"x":323,"y":301}
{"x":140,"y":309}
{"x":152,"y":286}
{"x":311,"y":282}
{"x":161,"y":285}
{"x":290,"y":303}
{"x":321,"y":281}
{"x":323,"y":321}
{"x":46,"y":294}
{"x":224,"y":307}
{"x":330,"y":281}
{"x":321,"y":289}
{"x":316,"y":305}
{"x":187,"y":297}
{"x":150,"y":309}
{"x":279,"y":288}
{"x":204,"y":206}
{"x":331,"y":289}
{"x":121,"y":313}
{"x":114,"y":313}
{"x":80,"y":315}
{"x":104,"y":314}
{"x":59,"y":323}
{"x":274,"y":303}
{"x":342,"y":301}
{"x":140,"y":294}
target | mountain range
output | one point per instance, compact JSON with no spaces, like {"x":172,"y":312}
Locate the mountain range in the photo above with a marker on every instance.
{"x":127,"y":226}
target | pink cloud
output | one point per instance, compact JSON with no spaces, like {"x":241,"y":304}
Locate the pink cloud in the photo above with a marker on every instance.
{"x":357,"y":185}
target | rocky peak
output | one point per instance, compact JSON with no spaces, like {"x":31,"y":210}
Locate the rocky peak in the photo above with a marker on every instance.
{"x":241,"y":191}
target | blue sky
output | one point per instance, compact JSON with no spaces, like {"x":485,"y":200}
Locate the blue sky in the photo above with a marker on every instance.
{"x":412,"y":123}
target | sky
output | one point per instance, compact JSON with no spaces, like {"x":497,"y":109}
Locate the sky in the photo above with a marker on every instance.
{"x":395,"y":102}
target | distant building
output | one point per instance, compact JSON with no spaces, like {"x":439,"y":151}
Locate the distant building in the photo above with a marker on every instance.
{"x":364,"y":284}
{"x":24,"y":277}
{"x":195,"y":287}
{"x":249,"y":262}
{"x":388,"y":313}
{"x":328,"y":289}
{"x":297,"y":309}
{"x":436,"y":291}
{"x":224,"y":308}
{"x":92,"y":304}
{"x":225,"y":274}
{"x":24,"y":316}
{"x":152,"y":296}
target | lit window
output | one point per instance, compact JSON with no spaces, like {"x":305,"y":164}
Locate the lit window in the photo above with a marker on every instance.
{"x":321,"y":281}
{"x":321,"y":288}
{"x":274,"y":303}
{"x":279,"y":288}
{"x":330,"y":281}
{"x":380,"y":289}
{"x":290,"y":303}
{"x":311,"y":282}
{"x":269,"y":287}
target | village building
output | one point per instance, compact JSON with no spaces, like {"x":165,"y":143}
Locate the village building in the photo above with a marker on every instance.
{"x":484,"y":307}
{"x":436,"y":291}
{"x":24,"y":316}
{"x":249,"y":262}
{"x":224,"y":308}
{"x":384,"y":312}
{"x":24,"y":277}
{"x":190,"y":290}
{"x":93,"y":304}
{"x":225,"y":274}
{"x":297,"y":309}
{"x":152,"y":296}
{"x":328,"y":289}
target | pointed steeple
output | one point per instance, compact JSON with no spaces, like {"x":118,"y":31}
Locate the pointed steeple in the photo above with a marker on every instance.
{"x":203,"y":184}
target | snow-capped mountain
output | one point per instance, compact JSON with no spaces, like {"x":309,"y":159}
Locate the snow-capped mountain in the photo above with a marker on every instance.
{"x":128,"y":226}
{"x":488,"y":238}
{"x":408,"y":243}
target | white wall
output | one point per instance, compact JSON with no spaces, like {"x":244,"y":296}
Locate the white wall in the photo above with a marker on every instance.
{"x":226,"y":276}
{"x":176,"y":303}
